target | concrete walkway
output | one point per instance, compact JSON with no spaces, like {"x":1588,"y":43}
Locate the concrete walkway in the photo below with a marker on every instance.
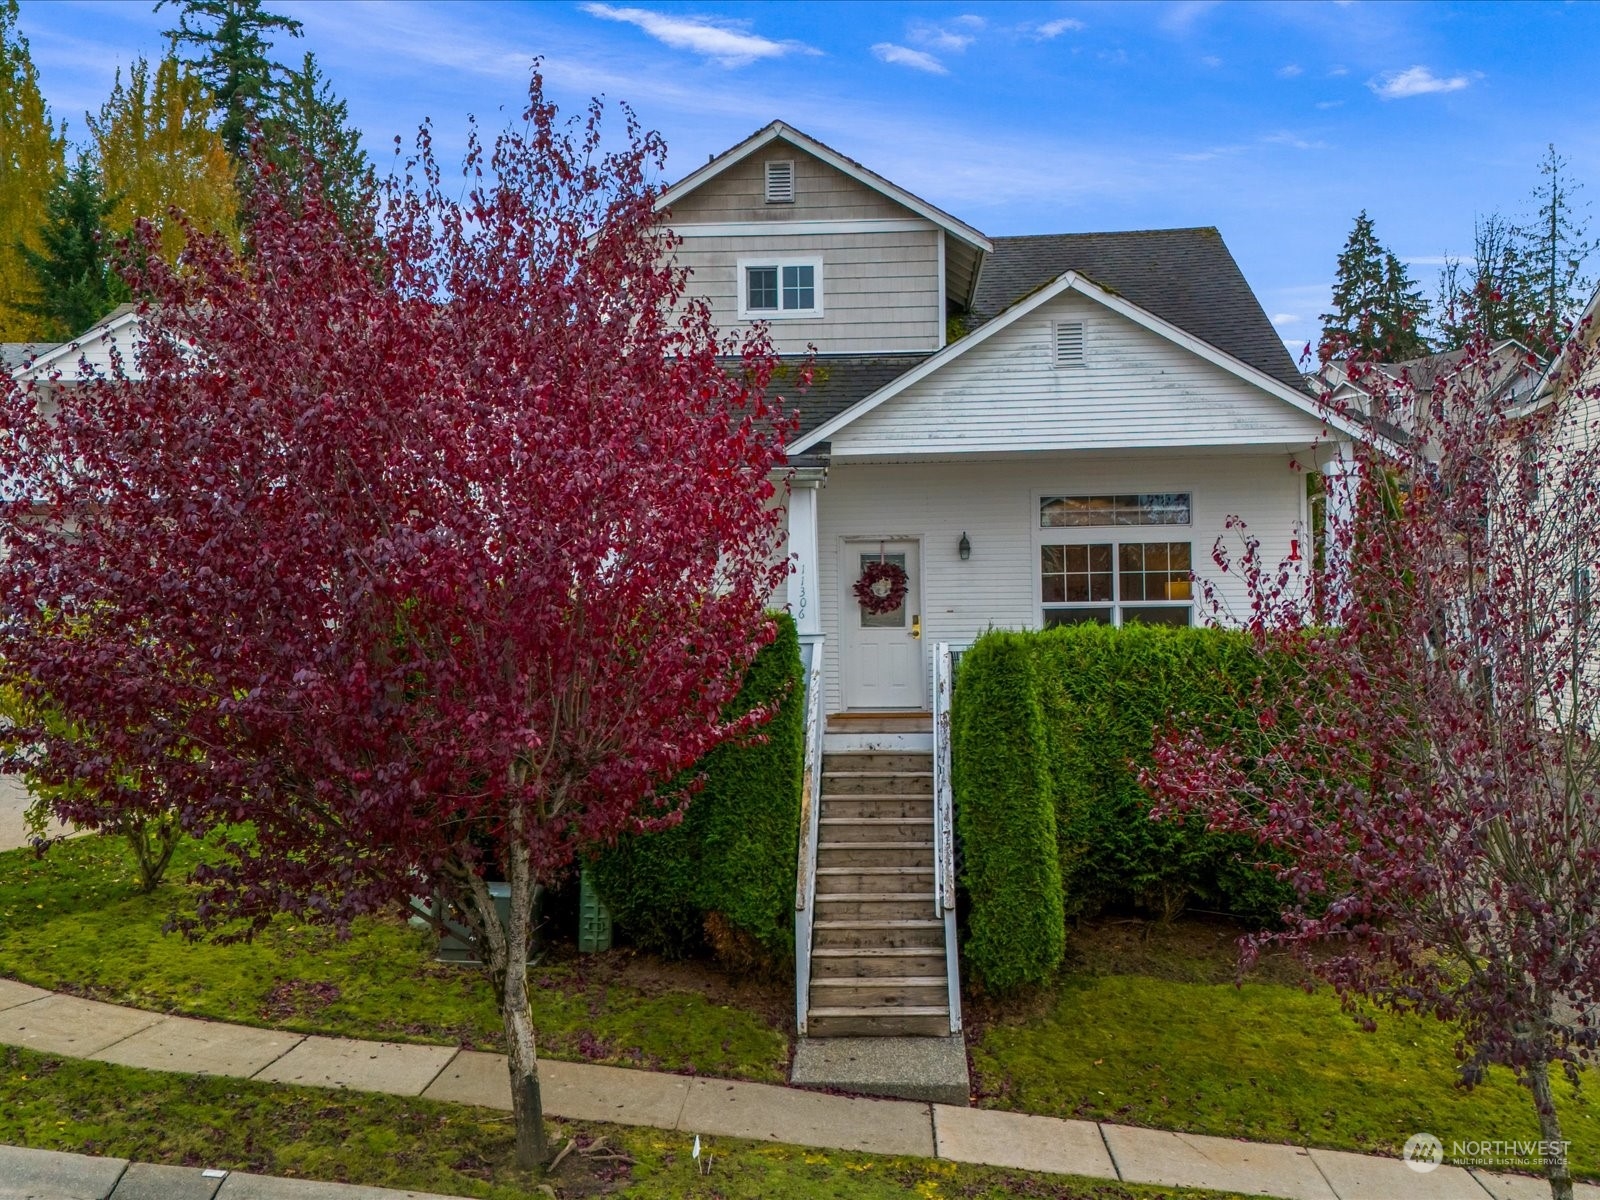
{"x":75,"y":1028}
{"x":49,"y":1175}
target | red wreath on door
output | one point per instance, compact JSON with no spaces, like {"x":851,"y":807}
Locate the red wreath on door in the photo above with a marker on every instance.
{"x":882,"y":587}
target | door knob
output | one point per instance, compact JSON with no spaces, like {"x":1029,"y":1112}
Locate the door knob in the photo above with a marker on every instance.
{"x":916,"y":625}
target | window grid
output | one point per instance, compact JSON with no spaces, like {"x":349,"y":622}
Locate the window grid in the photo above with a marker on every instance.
{"x":1144,"y":508}
{"x":1151,"y":583}
{"x":761,"y":288}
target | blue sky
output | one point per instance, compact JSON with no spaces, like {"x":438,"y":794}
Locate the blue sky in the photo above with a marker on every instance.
{"x":1274,"y":122}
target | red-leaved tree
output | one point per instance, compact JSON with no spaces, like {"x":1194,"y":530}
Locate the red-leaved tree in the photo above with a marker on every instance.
{"x":1428,"y":775}
{"x":414,"y":565}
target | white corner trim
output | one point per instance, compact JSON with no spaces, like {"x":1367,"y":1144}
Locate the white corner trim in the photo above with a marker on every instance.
{"x":838,"y":162}
{"x":1072,"y":281}
{"x":741,"y":266}
{"x":781,"y":228}
{"x":943,"y":299}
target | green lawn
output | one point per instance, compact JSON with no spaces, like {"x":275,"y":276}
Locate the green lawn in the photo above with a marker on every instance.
{"x":1146,"y":1034}
{"x":73,"y":921}
{"x":388,"y":1141}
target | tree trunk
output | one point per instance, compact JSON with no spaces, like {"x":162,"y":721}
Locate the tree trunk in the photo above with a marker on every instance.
{"x":1555,"y":1147}
{"x":505,"y":956}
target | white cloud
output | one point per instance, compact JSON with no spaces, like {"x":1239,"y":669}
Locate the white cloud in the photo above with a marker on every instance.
{"x":1415,"y":81}
{"x":904,"y":56}
{"x":1338,"y":72}
{"x":1290,"y":70}
{"x":1284,"y":319}
{"x":723,"y":43}
{"x":950,"y":38}
{"x":1182,"y":17}
{"x":1329,"y":103}
{"x":1054,"y":29}
{"x":1211,"y":60}
{"x":1292,"y":140}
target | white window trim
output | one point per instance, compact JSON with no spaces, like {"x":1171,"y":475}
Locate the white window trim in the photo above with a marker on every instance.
{"x":1117,"y":535}
{"x":741,"y":268}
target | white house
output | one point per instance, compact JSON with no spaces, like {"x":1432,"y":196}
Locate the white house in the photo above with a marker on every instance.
{"x":1040,"y":429}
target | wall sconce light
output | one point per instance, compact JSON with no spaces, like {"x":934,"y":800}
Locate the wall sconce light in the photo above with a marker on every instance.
{"x":964,"y":548}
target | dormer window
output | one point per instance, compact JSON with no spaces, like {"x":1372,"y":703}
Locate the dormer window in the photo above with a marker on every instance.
{"x":774,"y":288}
{"x":780,"y":182}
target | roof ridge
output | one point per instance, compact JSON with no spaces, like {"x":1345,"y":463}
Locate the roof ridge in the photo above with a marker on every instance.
{"x":1017,"y":237}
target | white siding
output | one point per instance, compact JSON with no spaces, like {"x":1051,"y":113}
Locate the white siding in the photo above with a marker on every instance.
{"x":996,"y":504}
{"x":880,"y":291}
{"x":1136,"y":389}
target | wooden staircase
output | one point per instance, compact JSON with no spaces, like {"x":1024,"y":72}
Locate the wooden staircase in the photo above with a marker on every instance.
{"x":878,"y":964}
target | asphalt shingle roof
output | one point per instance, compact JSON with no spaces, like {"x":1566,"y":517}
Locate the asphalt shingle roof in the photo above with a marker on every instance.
{"x":1185,"y":276}
{"x":837,"y":382}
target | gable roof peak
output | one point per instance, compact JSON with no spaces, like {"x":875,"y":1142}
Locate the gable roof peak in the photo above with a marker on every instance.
{"x":776,"y":129}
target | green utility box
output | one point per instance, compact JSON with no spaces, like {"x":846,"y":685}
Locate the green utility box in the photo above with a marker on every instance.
{"x":594,"y":919}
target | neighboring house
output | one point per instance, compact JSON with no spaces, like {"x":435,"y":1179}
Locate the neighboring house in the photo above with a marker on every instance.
{"x":1113,"y":399}
{"x":1391,"y":393}
{"x":47,"y":364}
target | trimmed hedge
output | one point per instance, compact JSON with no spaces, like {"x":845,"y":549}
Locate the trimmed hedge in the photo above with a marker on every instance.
{"x":1100,"y":695}
{"x":1005,"y":817}
{"x":726,"y":873}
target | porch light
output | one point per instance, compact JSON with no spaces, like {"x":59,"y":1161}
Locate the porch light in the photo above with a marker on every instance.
{"x":964,"y":547}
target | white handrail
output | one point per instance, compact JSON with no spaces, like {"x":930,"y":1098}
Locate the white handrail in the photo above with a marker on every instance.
{"x":944,"y":833}
{"x":805,"y":884}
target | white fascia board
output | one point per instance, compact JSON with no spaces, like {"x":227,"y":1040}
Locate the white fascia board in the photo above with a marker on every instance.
{"x":1072,"y":281}
{"x":72,"y":350}
{"x":838,"y":162}
{"x":1544,"y":391}
{"x":798,"y":228}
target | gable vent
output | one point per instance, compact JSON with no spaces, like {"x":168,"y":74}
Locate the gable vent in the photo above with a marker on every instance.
{"x":780,"y":183}
{"x":1069,"y":343}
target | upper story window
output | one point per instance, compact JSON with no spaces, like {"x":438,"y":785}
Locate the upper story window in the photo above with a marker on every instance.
{"x":780,"y":182}
{"x":773,"y":288}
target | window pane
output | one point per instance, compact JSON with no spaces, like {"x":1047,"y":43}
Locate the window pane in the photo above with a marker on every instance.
{"x":1051,"y":561}
{"x":1162,"y":615}
{"x":1144,"y":508}
{"x":1154,"y":571}
{"x":799,"y":287}
{"x":761,"y":287}
{"x":1076,"y":616}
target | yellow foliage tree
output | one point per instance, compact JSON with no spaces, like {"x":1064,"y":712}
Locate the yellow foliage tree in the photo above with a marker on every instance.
{"x":32,"y":157}
{"x":156,"y":152}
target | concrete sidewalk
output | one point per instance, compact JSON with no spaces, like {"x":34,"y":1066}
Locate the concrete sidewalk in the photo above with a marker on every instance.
{"x":65,"y":1025}
{"x":49,"y":1175}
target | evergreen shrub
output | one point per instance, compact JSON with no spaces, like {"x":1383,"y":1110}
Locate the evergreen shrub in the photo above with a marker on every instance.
{"x":726,"y":873}
{"x":1098,"y":695}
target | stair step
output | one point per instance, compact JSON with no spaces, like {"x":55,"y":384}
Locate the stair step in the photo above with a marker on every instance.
{"x":884,"y":981}
{"x":856,"y":934}
{"x":877,"y":962}
{"x":843,"y":856}
{"x":877,"y":760}
{"x":888,"y":1022}
{"x":872,"y":1010}
{"x":911,"y":783}
{"x":869,"y":951}
{"x":875,"y":881}
{"x":878,"y":806}
{"x":826,"y":847}
{"x":874,"y":870}
{"x":876,"y":897}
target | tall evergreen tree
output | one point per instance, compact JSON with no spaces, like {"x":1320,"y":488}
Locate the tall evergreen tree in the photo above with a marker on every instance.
{"x":310,"y":122}
{"x":1378,"y":309}
{"x":1555,"y":245}
{"x":156,"y":152}
{"x":32,"y":152}
{"x":73,"y":281}
{"x":230,"y":40}
{"x":1494,"y":295}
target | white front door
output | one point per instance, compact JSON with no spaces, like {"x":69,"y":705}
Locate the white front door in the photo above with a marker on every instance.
{"x":881,"y":661}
